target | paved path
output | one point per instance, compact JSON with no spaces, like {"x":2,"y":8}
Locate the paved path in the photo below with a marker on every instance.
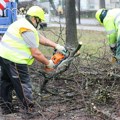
{"x":82,"y":27}
{"x":86,"y":21}
{"x":86,"y":24}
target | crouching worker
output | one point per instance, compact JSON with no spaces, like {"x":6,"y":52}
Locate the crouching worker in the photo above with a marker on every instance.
{"x":18,"y":49}
{"x":110,"y":19}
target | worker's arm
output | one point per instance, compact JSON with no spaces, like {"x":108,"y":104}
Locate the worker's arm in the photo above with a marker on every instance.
{"x":111,"y":32}
{"x":47,"y":42}
{"x":111,"y":35}
{"x":39,"y":56}
{"x":29,"y":39}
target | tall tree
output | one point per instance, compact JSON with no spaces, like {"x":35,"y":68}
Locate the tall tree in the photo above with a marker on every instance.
{"x":17,"y":1}
{"x":102,"y":3}
{"x":71,"y":29}
{"x":78,"y":13}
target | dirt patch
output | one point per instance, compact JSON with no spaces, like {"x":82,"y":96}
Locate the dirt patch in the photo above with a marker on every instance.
{"x":84,"y":92}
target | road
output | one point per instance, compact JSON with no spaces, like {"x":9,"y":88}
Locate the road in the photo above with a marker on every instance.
{"x":82,"y":27}
{"x":86,"y":24}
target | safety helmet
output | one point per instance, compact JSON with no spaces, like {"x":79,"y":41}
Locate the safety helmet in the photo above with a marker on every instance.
{"x":100,"y":15}
{"x":37,"y":12}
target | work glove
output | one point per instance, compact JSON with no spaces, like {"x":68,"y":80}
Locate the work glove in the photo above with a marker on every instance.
{"x":113,"y":60}
{"x":50,"y":65}
{"x":61,"y":49}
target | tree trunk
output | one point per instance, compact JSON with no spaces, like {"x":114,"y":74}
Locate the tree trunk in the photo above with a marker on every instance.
{"x":17,"y":1}
{"x":102,"y":3}
{"x":78,"y":5}
{"x":71,"y":29}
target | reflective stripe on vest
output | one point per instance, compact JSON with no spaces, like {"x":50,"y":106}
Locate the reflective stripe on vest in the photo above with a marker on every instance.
{"x":118,"y":15}
{"x":112,"y":45}
{"x":14,"y":38}
{"x":14,"y":49}
{"x":110,"y":32}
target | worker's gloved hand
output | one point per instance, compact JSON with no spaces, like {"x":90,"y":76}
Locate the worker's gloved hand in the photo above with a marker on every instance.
{"x":113,"y":60}
{"x":61,"y":49}
{"x":50,"y":65}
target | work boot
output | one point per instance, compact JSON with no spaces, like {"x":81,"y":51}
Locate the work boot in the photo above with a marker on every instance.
{"x":31,"y":112}
{"x":8,"y":109}
{"x":1,"y":102}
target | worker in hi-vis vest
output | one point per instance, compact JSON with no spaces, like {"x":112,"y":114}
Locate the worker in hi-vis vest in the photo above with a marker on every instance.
{"x":110,"y":19}
{"x":18,"y":49}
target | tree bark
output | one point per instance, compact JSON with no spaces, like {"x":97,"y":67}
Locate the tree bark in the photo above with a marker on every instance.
{"x":78,"y":4}
{"x":71,"y":29}
{"x":102,"y":3}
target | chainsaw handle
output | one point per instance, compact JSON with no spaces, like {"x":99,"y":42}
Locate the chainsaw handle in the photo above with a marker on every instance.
{"x":78,"y":47}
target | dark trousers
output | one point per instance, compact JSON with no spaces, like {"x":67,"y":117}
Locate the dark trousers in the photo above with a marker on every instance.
{"x":15,"y":77}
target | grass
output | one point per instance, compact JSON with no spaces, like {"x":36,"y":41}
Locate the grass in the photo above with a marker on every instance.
{"x":92,"y":40}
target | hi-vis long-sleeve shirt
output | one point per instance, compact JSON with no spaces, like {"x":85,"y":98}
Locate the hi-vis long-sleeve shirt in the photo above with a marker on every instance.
{"x":112,"y":25}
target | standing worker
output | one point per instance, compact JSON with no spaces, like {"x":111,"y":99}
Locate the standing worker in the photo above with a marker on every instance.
{"x":110,"y":19}
{"x":18,"y":48}
{"x":60,"y":10}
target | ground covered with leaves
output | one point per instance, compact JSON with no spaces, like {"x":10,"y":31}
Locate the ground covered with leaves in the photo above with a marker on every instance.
{"x":88,"y":90}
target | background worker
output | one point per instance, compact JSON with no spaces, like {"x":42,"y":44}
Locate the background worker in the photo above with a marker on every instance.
{"x":110,"y":19}
{"x":60,"y":10}
{"x":18,"y":48}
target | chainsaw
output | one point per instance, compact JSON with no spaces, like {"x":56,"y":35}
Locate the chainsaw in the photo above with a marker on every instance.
{"x":63,"y":60}
{"x":62,"y":63}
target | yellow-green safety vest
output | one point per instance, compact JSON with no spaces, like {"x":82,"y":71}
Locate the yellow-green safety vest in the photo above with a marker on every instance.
{"x":111,"y":23}
{"x":13,"y":46}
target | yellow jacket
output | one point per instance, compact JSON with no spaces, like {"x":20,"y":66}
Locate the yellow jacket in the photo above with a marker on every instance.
{"x":111,"y":23}
{"x":13,"y":46}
